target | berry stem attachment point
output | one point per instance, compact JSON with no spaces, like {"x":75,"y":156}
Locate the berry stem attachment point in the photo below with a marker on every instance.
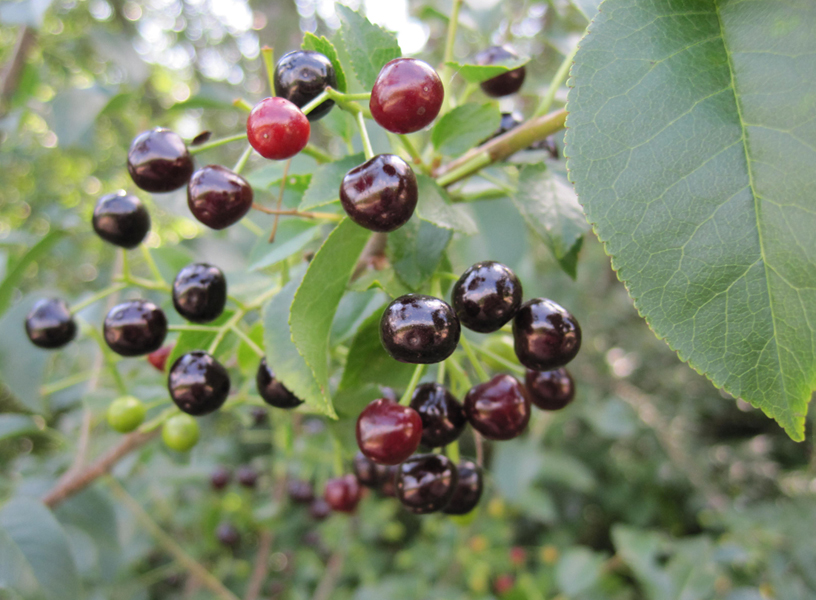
{"x":217,"y":143}
{"x":409,"y":391}
{"x":268,"y":55}
{"x":111,"y":289}
{"x":367,"y":149}
{"x":474,"y":360}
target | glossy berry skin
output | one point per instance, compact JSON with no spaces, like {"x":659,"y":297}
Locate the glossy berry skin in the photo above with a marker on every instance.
{"x":419,"y":329}
{"x":506,"y":83}
{"x":273,"y":391}
{"x":247,"y":476}
{"x":198,"y":383}
{"x":158,"y":359}
{"x":301,"y":76}
{"x":228,"y":535}
{"x":121,"y":219}
{"x":200,"y":292}
{"x":443,"y":418}
{"x":545,"y":335}
{"x":381,"y":194}
{"x":135,"y":328}
{"x":319,"y":509}
{"x":218,"y":197}
{"x":300,"y":491}
{"x":125,"y":414}
{"x":468,"y":489}
{"x":425,"y":483}
{"x":50,"y":324}
{"x":277,"y":129}
{"x":369,"y":473}
{"x":180,"y":433}
{"x":406,"y":96}
{"x":220,"y":478}
{"x":387,"y":432}
{"x":550,"y":390}
{"x":343,"y":493}
{"x":158,"y":161}
{"x":486,"y":296}
{"x":499,"y":409}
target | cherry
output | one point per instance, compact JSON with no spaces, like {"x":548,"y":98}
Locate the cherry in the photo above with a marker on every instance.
{"x":218,"y":197}
{"x":159,"y":358}
{"x":406,"y":96}
{"x":125,"y":414}
{"x":381,"y":194}
{"x":200,"y":292}
{"x":135,"y":327}
{"x":272,"y":390}
{"x":468,"y":489}
{"x":277,"y":129}
{"x":180,"y":432}
{"x":443,"y":419}
{"x":301,"y":76}
{"x":319,"y":509}
{"x":158,"y":161}
{"x":343,"y":493}
{"x":486,"y":296}
{"x":220,"y":478}
{"x":499,"y":409}
{"x":198,"y":383}
{"x":387,"y":432}
{"x":388,"y":487}
{"x":50,"y":324}
{"x":550,"y":390}
{"x":247,"y":476}
{"x":546,"y":336}
{"x":228,"y":535}
{"x":425,"y":483}
{"x":506,"y":83}
{"x":369,"y":473}
{"x":518,"y":556}
{"x":259,"y":415}
{"x":503,"y":584}
{"x":121,"y":219}
{"x":419,"y":329}
{"x":300,"y":491}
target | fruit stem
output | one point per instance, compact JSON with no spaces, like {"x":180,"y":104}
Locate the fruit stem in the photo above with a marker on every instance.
{"x":557,"y":81}
{"x":158,"y":420}
{"x":284,"y":177}
{"x":337,"y":456}
{"x":222,"y":330}
{"x":193,"y":328}
{"x":474,"y":360}
{"x":452,"y":450}
{"x":217,"y":143}
{"x":293,"y":212}
{"x":367,"y":149}
{"x":242,"y":161}
{"x":409,"y":391}
{"x":252,"y":227}
{"x":406,"y":143}
{"x":242,"y":104}
{"x":248,"y":341}
{"x":317,"y":154}
{"x":268,"y":55}
{"x":315,"y":102}
{"x":440,"y":373}
{"x":57,"y":386}
{"x":519,"y":370}
{"x":151,"y":264}
{"x":450,"y":40}
{"x":111,"y":289}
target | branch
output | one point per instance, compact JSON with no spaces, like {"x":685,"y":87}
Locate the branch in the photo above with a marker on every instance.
{"x":330,"y":576}
{"x":14,"y":67}
{"x":260,"y":569}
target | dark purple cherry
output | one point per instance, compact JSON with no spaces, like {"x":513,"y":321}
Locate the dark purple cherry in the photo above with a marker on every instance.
{"x":50,"y":324}
{"x":387,"y":432}
{"x":158,"y":161}
{"x":200,"y":292}
{"x":506,"y":83}
{"x":319,"y":509}
{"x":228,"y":535}
{"x":301,"y":76}
{"x":546,"y":336}
{"x":499,"y":409}
{"x":550,"y":390}
{"x":343,"y":493}
{"x":419,"y":329}
{"x":135,"y":327}
{"x":247,"y":476}
{"x":406,"y":96}
{"x":389,"y":482}
{"x":486,"y":296}
{"x":443,"y":418}
{"x":121,"y":219}
{"x":468,"y":489}
{"x":300,"y":491}
{"x":259,"y":415}
{"x":369,"y":473}
{"x":426,"y":482}
{"x":381,"y":194}
{"x":218,"y":197}
{"x":198,"y":383}
{"x":273,"y":391}
{"x":220,"y":478}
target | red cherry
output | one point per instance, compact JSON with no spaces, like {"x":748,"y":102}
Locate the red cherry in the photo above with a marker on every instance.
{"x":406,"y":96}
{"x":343,"y":493}
{"x":550,"y":390}
{"x":499,"y":409}
{"x":387,"y":432}
{"x":277,"y":129}
{"x":159,"y":358}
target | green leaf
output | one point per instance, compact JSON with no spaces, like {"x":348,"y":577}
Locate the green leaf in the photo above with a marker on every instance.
{"x":479,"y":73}
{"x":588,"y":8}
{"x":74,"y":112}
{"x":464,"y":127}
{"x":369,"y":46}
{"x":15,"y":274}
{"x":324,"y":187}
{"x":292,"y":236}
{"x":247,"y":357}
{"x":318,"y":296}
{"x":12,"y":426}
{"x":385,"y":279}
{"x":327,"y":49}
{"x":27,"y":12}
{"x":196,"y":340}
{"x":691,"y":144}
{"x":415,"y":250}
{"x":21,"y":363}
{"x":578,"y":570}
{"x":436,"y":207}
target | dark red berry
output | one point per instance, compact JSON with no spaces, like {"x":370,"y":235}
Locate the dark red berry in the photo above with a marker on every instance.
{"x":158,"y":161}
{"x":198,"y":383}
{"x":546,"y":336}
{"x":277,"y":129}
{"x":343,"y":493}
{"x":259,"y":415}
{"x":135,"y":327}
{"x":220,"y":478}
{"x":50,"y":324}
{"x":300,"y":491}
{"x":200,"y":292}
{"x":387,"y":432}
{"x":504,"y":583}
{"x":419,"y":329}
{"x":369,"y":473}
{"x":506,"y":83}
{"x":218,"y":197}
{"x":468,"y":489}
{"x":498,"y":409}
{"x":389,"y":482}
{"x":443,"y":418}
{"x":319,"y":509}
{"x":425,"y":483}
{"x":406,"y":96}
{"x":301,"y":76}
{"x":272,"y":390}
{"x":228,"y":535}
{"x":121,"y":219}
{"x":247,"y":476}
{"x":550,"y":390}
{"x":486,"y":296}
{"x":518,"y":556}
{"x":159,"y":357}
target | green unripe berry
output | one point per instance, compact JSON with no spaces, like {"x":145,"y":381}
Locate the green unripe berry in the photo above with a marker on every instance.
{"x":125,"y":414}
{"x":180,"y":432}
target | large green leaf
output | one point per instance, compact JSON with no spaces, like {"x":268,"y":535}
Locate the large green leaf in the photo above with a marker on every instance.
{"x":327,"y":49}
{"x":435,"y":206}
{"x":13,"y":425}
{"x":691,"y":142}
{"x":324,"y":186}
{"x":15,"y":273}
{"x":369,"y":46}
{"x":415,"y":250}
{"x":464,"y":127}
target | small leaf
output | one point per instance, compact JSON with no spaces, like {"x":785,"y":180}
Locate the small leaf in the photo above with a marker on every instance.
{"x":196,"y":340}
{"x":479,"y":73}
{"x":436,"y":207}
{"x":327,"y":49}
{"x":384,"y":279}
{"x":569,"y":263}
{"x":293,"y":236}
{"x":324,"y":187}
{"x":15,"y":274}
{"x":464,"y":127}
{"x":369,"y":46}
{"x":415,"y":250}
{"x":578,"y":570}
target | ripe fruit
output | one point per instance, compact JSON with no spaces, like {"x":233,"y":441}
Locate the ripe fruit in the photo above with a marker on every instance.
{"x":387,"y":432}
{"x":220,"y":478}
{"x":158,"y":161}
{"x":319,"y":509}
{"x":369,"y":473}
{"x":381,"y":194}
{"x":443,"y":419}
{"x":50,"y":324}
{"x":389,"y":483}
{"x":121,"y":219}
{"x":159,"y":358}
{"x":301,"y":76}
{"x":550,"y":390}
{"x":198,"y":383}
{"x":180,"y":433}
{"x":486,"y":296}
{"x":498,"y":409}
{"x":125,"y":414}
{"x":247,"y":476}
{"x":200,"y":292}
{"x":300,"y":491}
{"x":468,"y":489}
{"x":406,"y":96}
{"x":343,"y":493}
{"x":419,"y":329}
{"x":218,"y":197}
{"x":506,"y":83}
{"x":426,"y":483}
{"x":546,"y":336}
{"x":228,"y":535}
{"x":277,"y":129}
{"x":273,"y":391}
{"x":135,"y":327}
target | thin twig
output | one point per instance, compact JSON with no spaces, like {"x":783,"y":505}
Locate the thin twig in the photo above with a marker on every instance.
{"x":280,"y":200}
{"x":261,"y":567}
{"x":13,"y":69}
{"x":293,"y":212}
{"x":330,"y":576}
